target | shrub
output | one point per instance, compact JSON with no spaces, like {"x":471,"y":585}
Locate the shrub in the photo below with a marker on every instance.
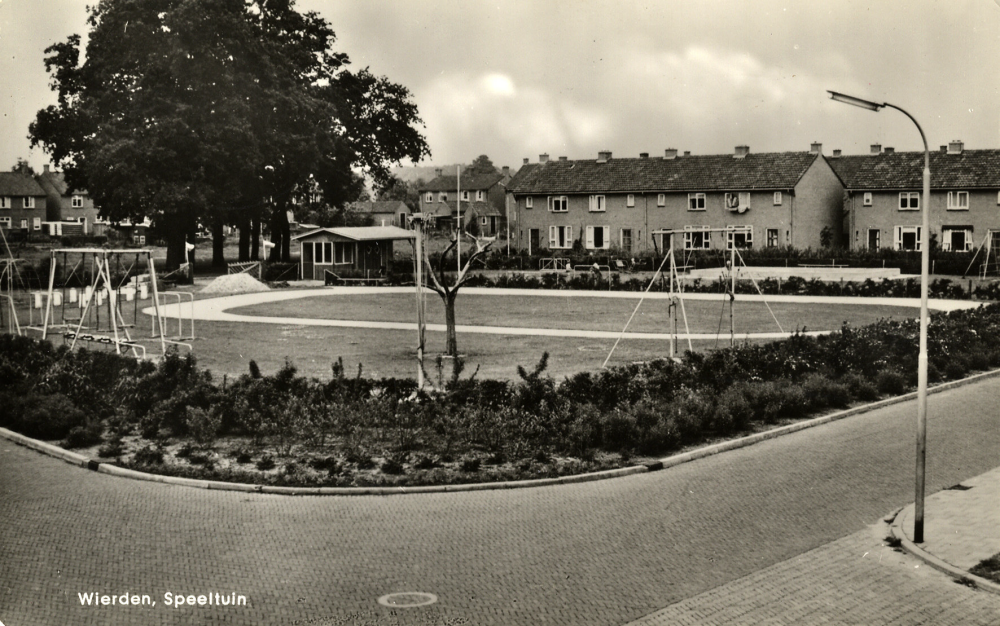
{"x":955,"y":369}
{"x":83,"y":436}
{"x":470,"y":465}
{"x":148,"y":455}
{"x":112,"y":448}
{"x":823,"y":392}
{"x":47,"y":417}
{"x":890,"y":382}
{"x":860,"y":387}
{"x":203,"y":424}
{"x":265,"y":463}
{"x":392,"y":465}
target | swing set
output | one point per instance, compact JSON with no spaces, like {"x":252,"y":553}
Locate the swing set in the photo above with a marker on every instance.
{"x":88,"y":299}
{"x":676,"y":287}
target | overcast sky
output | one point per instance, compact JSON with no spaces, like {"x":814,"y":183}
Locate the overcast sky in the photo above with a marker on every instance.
{"x":515,"y":79}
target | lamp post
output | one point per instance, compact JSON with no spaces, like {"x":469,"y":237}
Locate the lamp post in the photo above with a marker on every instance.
{"x":925,"y":255}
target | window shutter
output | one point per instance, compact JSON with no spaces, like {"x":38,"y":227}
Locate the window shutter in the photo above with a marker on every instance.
{"x":607,"y":237}
{"x":898,"y":236}
{"x":590,"y":236}
{"x":552,"y":236}
{"x":569,"y":236}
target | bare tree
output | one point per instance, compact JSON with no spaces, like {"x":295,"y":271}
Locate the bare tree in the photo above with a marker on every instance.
{"x":448,"y":293}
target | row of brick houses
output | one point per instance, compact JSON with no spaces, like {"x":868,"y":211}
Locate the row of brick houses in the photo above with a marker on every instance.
{"x":801,"y":199}
{"x":45,"y":204}
{"x":481,"y":199}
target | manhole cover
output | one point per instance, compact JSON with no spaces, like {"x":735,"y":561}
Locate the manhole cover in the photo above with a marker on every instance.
{"x":407,"y":599}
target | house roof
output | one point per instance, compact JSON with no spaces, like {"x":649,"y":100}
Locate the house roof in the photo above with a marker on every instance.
{"x":378,"y":206}
{"x":905,"y":170}
{"x":58,"y":182}
{"x":363,"y":233}
{"x":15,"y":184}
{"x":720,"y":172}
{"x":469,"y":183}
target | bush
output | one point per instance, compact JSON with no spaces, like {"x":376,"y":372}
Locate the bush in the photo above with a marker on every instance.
{"x":112,"y":448}
{"x":860,"y":387}
{"x":148,"y":455}
{"x":265,"y":463}
{"x":83,"y":436}
{"x":890,"y":382}
{"x":47,"y":417}
{"x":470,"y":465}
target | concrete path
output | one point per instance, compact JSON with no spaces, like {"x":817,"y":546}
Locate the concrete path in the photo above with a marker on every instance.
{"x":220,"y":309}
{"x":775,"y":523}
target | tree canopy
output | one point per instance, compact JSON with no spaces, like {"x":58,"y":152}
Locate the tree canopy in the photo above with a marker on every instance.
{"x":210,"y":110}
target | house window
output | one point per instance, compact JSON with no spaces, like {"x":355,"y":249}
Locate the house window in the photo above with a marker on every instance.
{"x":908,"y":238}
{"x":626,"y":240}
{"x":696,"y":202}
{"x":343,"y":253}
{"x":597,"y":203}
{"x":480,"y":195}
{"x":909,"y":201}
{"x":24,"y":224}
{"x":29,"y":203}
{"x":867,"y":201}
{"x":429,"y":197}
{"x":76,"y":202}
{"x":697,"y":238}
{"x":772,"y":237}
{"x":527,"y":202}
{"x":484,"y":221}
{"x":465,"y":196}
{"x":958,"y":200}
{"x":5,"y":222}
{"x":661,"y":199}
{"x":874,"y":239}
{"x":738,"y":201}
{"x":558,"y":204}
{"x":742,"y":238}
{"x":5,"y":202}
{"x":560,"y":237}
{"x":597,"y":237}
{"x":443,"y":197}
{"x":323,"y":252}
{"x":37,"y":223}
{"x":630,"y":200}
{"x":777,"y":198}
{"x":956,"y":238}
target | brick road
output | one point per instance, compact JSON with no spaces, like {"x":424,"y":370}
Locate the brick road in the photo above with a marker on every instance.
{"x":596,"y":553}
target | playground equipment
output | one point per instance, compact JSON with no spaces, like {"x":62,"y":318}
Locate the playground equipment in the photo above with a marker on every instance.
{"x":676,"y":287}
{"x":88,"y":301}
{"x":991,"y":256}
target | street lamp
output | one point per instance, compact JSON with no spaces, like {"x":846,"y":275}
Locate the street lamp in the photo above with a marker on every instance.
{"x":925,"y":255}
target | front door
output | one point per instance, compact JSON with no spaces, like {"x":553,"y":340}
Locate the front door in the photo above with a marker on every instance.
{"x":533,"y":236}
{"x":874,"y":239}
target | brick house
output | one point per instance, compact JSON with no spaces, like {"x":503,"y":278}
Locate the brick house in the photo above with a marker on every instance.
{"x":383,"y":212}
{"x":882,"y":200}
{"x":69,"y":205}
{"x":22,"y":203}
{"x":786,"y":198}
{"x":482,"y":200}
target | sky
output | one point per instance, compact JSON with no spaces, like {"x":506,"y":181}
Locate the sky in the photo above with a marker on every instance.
{"x":514,"y":79}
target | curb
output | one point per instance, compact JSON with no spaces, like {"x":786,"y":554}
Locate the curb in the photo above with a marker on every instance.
{"x":935,"y":562}
{"x":670,"y":461}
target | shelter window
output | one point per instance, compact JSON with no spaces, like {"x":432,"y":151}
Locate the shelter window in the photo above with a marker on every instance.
{"x":343,"y":253}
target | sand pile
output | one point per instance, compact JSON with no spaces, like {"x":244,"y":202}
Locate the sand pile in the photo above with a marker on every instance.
{"x":235,"y":283}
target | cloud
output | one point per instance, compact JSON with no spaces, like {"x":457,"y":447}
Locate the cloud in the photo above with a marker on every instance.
{"x":468,"y":114}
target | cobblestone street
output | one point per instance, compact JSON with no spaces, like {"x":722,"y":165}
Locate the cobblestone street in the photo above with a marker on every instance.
{"x":785,"y":531}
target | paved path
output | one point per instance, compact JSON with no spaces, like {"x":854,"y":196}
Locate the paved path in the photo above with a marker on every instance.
{"x":597,"y":553}
{"x":219,"y":310}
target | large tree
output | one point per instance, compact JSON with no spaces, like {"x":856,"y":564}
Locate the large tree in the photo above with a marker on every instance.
{"x":216,"y":110}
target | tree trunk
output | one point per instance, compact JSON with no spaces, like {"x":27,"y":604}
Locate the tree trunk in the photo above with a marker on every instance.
{"x":255,"y":238}
{"x":244,"y":254}
{"x":451,"y":349}
{"x":280,"y":232}
{"x":218,"y":244}
{"x":176,"y":238}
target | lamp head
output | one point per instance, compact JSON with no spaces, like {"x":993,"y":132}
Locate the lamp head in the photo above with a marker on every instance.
{"x":858,"y":102}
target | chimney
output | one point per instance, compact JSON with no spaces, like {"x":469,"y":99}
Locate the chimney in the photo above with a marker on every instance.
{"x":955,"y":147}
{"x":45,"y":168}
{"x":816,"y":148}
{"x":506,"y":170}
{"x":525,"y":160}
{"x":643,"y":155}
{"x":944,"y":149}
{"x":438,"y":171}
{"x":889,"y":150}
{"x":876,"y":148}
{"x":543,"y":158}
{"x":603,"y":156}
{"x":741,"y":152}
{"x":562,"y":158}
{"x":836,"y":153}
{"x":687,"y":153}
{"x":670,"y":153}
